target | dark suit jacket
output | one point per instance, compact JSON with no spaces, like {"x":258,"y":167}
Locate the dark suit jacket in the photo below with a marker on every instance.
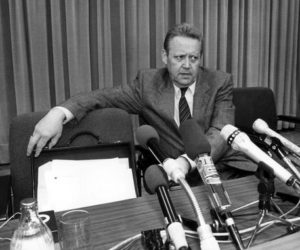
{"x":151,"y":96}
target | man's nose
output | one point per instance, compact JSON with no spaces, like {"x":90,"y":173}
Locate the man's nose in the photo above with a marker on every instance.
{"x":186,"y":62}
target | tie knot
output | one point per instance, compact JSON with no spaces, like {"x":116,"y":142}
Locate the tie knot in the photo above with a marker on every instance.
{"x":183,"y":90}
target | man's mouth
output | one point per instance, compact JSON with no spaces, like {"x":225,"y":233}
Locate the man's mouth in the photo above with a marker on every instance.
{"x":185,"y":74}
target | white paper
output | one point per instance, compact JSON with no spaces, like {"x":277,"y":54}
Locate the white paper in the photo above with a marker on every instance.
{"x":69,"y":184}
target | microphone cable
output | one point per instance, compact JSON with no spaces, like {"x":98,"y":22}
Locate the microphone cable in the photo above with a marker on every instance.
{"x":127,"y":243}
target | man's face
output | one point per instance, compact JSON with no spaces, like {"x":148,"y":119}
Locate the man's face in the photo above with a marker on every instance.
{"x":183,"y":60}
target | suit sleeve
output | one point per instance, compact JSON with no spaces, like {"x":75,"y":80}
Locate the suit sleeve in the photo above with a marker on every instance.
{"x":223,"y":114}
{"x":127,"y":98}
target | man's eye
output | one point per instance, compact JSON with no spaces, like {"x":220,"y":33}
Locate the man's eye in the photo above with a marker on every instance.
{"x":179,"y":58}
{"x":194,"y":58}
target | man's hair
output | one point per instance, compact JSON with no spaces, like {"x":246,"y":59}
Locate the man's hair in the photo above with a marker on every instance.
{"x":184,"y":30}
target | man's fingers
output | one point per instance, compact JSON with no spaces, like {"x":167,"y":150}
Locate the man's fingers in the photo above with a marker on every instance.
{"x":32,"y":142}
{"x":39,"y":146}
{"x":48,"y":128}
{"x":54,"y":140}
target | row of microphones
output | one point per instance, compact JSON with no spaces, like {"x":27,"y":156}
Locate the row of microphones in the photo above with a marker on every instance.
{"x":198,"y":148}
{"x":156,"y":181}
{"x":240,"y":141}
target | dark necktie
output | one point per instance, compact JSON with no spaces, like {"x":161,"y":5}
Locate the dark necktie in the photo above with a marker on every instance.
{"x":184,"y":110}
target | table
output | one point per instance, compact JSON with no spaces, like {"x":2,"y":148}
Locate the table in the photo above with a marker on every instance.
{"x":114,"y":222}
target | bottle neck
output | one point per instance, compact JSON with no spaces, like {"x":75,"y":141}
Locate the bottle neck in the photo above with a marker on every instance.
{"x":29,"y":214}
{"x":30,"y":220}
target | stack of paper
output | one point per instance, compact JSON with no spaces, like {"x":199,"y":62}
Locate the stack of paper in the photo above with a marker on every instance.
{"x":69,"y":184}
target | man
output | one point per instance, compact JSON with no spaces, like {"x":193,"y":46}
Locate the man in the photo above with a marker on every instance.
{"x":155,"y":95}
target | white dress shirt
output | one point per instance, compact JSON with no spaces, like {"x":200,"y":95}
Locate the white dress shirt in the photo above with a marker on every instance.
{"x":189,"y":96}
{"x":68,"y":115}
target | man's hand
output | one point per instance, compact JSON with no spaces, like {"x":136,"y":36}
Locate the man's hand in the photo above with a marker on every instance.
{"x":48,"y":128}
{"x":176,"y":168}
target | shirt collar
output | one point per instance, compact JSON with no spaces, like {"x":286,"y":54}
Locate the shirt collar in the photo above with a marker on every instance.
{"x":190,"y":89}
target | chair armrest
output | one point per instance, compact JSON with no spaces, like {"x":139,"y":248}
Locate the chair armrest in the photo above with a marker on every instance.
{"x":287,"y":118}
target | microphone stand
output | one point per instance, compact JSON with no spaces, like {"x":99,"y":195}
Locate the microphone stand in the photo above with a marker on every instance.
{"x":266,"y":190}
{"x":295,"y":159}
{"x":227,"y":220}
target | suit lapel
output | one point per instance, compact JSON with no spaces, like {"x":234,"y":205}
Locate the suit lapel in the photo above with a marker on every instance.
{"x":201,"y":96}
{"x":165,"y":99}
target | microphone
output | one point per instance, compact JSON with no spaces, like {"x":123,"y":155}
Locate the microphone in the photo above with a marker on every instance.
{"x":241,"y":142}
{"x":260,"y":126}
{"x":197,"y":147}
{"x":275,"y":145}
{"x":148,"y":138}
{"x":156,"y":181}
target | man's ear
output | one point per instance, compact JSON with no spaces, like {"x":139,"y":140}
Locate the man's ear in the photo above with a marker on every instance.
{"x":164,"y":56}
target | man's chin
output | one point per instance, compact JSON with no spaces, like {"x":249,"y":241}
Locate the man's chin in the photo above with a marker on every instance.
{"x":185,"y":82}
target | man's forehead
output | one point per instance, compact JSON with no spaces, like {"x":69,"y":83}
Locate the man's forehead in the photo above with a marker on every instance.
{"x":185,"y":45}
{"x":184,"y":51}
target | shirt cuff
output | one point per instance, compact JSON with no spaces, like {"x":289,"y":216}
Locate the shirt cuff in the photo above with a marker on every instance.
{"x":69,"y":116}
{"x":191,"y":162}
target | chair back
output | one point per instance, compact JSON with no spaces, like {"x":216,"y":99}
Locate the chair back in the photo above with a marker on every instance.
{"x":252,"y":103}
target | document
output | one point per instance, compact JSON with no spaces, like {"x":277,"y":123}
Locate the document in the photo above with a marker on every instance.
{"x":71,"y":184}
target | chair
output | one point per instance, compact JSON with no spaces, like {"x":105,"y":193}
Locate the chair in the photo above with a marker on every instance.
{"x":258,"y":102}
{"x":5,"y":194}
{"x":110,"y":125}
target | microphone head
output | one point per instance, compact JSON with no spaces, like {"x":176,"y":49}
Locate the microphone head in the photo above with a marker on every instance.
{"x":227,"y":131}
{"x":260,"y":126}
{"x":154,"y":177}
{"x":235,"y":138}
{"x":194,"y":140}
{"x":145,"y":133}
